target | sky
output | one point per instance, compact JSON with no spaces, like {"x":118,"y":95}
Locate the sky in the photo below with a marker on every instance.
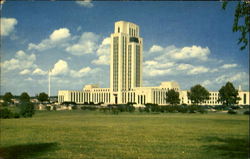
{"x":187,"y":42}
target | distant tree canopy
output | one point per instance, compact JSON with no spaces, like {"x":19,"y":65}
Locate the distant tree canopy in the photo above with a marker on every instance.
{"x":8,"y":97}
{"x":228,"y":95}
{"x":24,"y":97}
{"x":43,"y":97}
{"x":172,"y":97}
{"x":198,"y":94}
{"x":241,"y":21}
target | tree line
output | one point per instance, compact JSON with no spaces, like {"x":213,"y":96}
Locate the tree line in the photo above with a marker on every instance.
{"x":228,"y":95}
{"x":25,"y":108}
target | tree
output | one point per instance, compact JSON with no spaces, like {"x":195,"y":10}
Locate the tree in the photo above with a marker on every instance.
{"x":27,"y":109}
{"x":228,"y":95}
{"x":241,"y":21}
{"x":198,"y":94}
{"x":172,"y":97}
{"x":24,"y":97}
{"x":8,"y":97}
{"x":43,"y":97}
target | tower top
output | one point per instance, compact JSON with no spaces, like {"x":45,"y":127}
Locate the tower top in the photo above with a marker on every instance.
{"x":126,"y":28}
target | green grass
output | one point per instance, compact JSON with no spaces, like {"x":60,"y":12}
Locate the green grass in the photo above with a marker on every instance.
{"x":84,"y":134}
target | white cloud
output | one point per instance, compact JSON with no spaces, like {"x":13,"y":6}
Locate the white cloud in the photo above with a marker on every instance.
{"x":155,"y":48}
{"x":103,"y":53}
{"x":7,"y":25}
{"x":29,"y":79}
{"x":24,"y":72}
{"x":87,"y":44}
{"x":57,"y":38}
{"x":157,"y":72}
{"x":191,"y":52}
{"x":60,"y":34}
{"x":184,"y":67}
{"x":61,"y":67}
{"x":21,"y":61}
{"x":185,"y":53}
{"x":226,"y":66}
{"x":241,"y":77}
{"x":82,"y":72}
{"x":85,"y":3}
{"x":39,"y":71}
{"x":206,"y":83}
{"x":198,"y":70}
{"x":102,"y":60}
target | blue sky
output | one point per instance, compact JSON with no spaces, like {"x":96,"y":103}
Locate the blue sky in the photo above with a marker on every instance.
{"x":188,"y":42}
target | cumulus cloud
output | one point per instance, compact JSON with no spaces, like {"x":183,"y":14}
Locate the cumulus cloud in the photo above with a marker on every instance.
{"x":19,"y":62}
{"x":184,"y":67}
{"x":24,"y":72}
{"x":87,"y":44}
{"x":39,"y":71}
{"x":61,"y":67}
{"x":198,"y":70}
{"x":7,"y":25}
{"x":156,"y":48}
{"x":29,"y":79}
{"x":85,"y":3}
{"x":60,"y":34}
{"x":156,"y":68}
{"x":185,"y":53}
{"x":82,"y":72}
{"x":57,"y":38}
{"x":238,"y":77}
{"x":226,"y":66}
{"x":103,"y":53}
{"x":194,"y":51}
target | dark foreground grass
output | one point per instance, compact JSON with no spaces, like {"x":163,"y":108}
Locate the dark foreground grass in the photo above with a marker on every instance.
{"x":83,"y":134}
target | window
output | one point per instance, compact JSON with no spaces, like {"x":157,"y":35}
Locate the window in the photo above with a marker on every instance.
{"x":118,"y":29}
{"x":245,"y":98}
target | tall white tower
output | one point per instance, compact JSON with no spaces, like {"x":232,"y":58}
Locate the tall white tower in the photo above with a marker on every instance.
{"x":126,"y":59}
{"x":49,"y":82}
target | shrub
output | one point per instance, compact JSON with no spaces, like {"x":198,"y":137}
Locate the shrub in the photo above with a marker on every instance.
{"x":141,"y":109}
{"x":16,"y":115}
{"x":115,"y":110}
{"x":48,"y":108}
{"x":202,"y":110}
{"x":104,"y":109}
{"x":231,"y":111}
{"x":54,"y":107}
{"x":147,"y":109}
{"x":182,"y":109}
{"x":247,"y":112}
{"x":5,"y":113}
{"x":74,"y":107}
{"x":100,"y":103}
{"x":88,"y":108}
{"x":27,"y":109}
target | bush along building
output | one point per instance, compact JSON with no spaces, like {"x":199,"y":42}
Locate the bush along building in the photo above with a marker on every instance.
{"x":126,"y":77}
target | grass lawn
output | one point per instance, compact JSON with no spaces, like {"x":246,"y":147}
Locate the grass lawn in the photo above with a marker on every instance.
{"x":85,"y":134}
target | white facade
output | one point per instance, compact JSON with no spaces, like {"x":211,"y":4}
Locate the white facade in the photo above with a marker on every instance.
{"x":126,"y":76}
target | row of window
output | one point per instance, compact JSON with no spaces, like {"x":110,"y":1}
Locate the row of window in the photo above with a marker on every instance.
{"x":81,"y":97}
{"x":124,"y":63}
{"x":138,"y":67}
{"x":115,"y":63}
